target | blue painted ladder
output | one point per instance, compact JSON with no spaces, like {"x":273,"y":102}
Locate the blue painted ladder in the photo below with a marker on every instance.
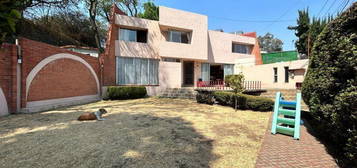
{"x":287,"y":116}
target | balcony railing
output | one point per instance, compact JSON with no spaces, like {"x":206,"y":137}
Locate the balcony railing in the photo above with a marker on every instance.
{"x":221,"y":85}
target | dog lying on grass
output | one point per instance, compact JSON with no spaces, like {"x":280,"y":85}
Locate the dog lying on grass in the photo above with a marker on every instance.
{"x":93,"y":116}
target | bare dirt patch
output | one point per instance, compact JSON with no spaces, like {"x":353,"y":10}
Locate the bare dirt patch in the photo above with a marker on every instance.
{"x":148,"y":132}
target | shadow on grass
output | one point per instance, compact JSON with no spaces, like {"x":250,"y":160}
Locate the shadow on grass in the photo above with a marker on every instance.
{"x":123,"y":140}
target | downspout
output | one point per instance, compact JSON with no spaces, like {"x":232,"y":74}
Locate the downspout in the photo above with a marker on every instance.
{"x":18,"y":76}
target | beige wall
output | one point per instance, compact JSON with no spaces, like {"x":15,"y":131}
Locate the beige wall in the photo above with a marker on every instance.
{"x":265,"y":74}
{"x":170,"y":76}
{"x":197,"y":24}
{"x":220,"y":47}
{"x":135,"y":49}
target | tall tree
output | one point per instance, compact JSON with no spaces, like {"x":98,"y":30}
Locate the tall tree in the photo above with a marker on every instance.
{"x":307,"y":31}
{"x":92,"y":9}
{"x":8,"y":18}
{"x":270,"y":44}
{"x":301,"y":31}
{"x":151,"y":11}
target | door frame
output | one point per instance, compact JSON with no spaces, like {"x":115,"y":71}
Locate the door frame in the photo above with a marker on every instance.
{"x":183,"y":74}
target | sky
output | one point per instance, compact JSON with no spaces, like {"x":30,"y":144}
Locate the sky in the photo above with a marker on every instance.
{"x":259,"y":16}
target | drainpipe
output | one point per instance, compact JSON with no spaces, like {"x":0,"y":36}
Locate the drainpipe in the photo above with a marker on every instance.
{"x":18,"y":76}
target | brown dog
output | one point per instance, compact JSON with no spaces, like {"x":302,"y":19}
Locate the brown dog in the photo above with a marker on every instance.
{"x":92,"y":116}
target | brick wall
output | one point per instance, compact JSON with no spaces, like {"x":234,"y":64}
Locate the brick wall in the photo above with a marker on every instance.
{"x":108,"y":57}
{"x":8,"y":59}
{"x":60,"y":78}
{"x":68,"y":74}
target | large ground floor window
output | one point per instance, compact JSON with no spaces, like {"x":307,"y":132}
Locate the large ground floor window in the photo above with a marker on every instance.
{"x":137,"y":71}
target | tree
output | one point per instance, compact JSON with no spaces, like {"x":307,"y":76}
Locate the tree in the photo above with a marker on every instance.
{"x":269,"y":43}
{"x":62,"y":28}
{"x":8,"y":18}
{"x":307,"y":31}
{"x":92,"y":9}
{"x":330,"y":85}
{"x":236,"y":82}
{"x":151,"y":11}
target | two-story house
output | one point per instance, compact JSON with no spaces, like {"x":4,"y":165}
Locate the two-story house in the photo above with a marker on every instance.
{"x":176,"y":51}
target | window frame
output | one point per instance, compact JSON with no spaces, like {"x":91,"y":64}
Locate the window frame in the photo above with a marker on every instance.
{"x":180,"y":34}
{"x":239,"y":46}
{"x":286,"y":74}
{"x":143,"y":39}
{"x":151,"y":67}
{"x":275,"y":71}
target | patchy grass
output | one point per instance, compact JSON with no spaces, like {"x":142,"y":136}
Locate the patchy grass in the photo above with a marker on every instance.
{"x":149,"y":132}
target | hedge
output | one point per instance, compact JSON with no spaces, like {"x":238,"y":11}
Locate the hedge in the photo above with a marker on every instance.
{"x":126,"y":92}
{"x":329,"y":88}
{"x":228,"y":99}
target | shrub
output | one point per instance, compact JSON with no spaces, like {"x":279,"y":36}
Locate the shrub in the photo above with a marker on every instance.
{"x":204,"y":96}
{"x":243,"y":101}
{"x":126,"y":92}
{"x":329,"y":88}
{"x":257,"y":103}
{"x":235,"y":82}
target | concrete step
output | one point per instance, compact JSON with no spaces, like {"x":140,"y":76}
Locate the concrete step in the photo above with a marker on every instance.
{"x":183,"y":93}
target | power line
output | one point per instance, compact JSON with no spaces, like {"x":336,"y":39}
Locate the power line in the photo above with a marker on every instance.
{"x":348,"y":1}
{"x":323,"y":6}
{"x":252,"y":21}
{"x":328,"y":10}
{"x":281,"y":16}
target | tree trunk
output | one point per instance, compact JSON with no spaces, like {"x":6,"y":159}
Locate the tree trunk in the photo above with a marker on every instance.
{"x":92,"y":16}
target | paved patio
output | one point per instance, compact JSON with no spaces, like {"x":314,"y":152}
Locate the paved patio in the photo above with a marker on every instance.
{"x":283,"y":151}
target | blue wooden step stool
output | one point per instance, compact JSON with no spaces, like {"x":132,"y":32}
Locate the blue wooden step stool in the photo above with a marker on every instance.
{"x":287,"y":116}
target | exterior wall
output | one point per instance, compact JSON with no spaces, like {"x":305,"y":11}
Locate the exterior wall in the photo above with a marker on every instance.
{"x":177,"y":19}
{"x":135,"y":49}
{"x":60,"y":79}
{"x":205,"y":46}
{"x":170,"y":76}
{"x":8,"y":85}
{"x":265,"y":73}
{"x":46,"y":77}
{"x":220,"y":47}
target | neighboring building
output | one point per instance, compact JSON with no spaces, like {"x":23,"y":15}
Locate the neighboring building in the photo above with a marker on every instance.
{"x":176,"y":51}
{"x":83,"y":50}
{"x":280,"y":75}
{"x":281,"y":56}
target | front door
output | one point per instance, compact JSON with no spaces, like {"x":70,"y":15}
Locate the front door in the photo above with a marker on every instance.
{"x":188,"y":73}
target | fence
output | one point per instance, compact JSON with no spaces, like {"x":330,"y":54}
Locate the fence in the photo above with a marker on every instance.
{"x":221,"y":85}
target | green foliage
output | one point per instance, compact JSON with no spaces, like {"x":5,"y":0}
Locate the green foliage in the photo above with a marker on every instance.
{"x":8,"y":18}
{"x":330,"y":88}
{"x":151,"y":11}
{"x":126,"y":92}
{"x":205,"y":97}
{"x":270,"y":44}
{"x":63,"y":28}
{"x":229,"y":98}
{"x":235,"y":82}
{"x":307,"y":31}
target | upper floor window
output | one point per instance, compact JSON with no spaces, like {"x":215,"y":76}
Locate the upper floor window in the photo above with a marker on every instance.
{"x":178,"y":36}
{"x":241,"y":48}
{"x":133,"y":35}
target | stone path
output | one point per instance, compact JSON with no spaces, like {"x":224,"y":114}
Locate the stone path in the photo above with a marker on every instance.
{"x":283,"y":151}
